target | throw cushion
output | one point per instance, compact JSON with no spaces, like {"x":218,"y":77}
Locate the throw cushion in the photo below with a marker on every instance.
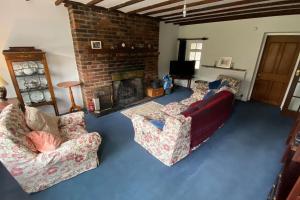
{"x":226,"y":88}
{"x":158,"y":124}
{"x":174,"y":108}
{"x":44,"y":141}
{"x":39,"y":121}
{"x":233,"y":83}
{"x":224,"y":83}
{"x":214,"y":84}
{"x":29,"y":144}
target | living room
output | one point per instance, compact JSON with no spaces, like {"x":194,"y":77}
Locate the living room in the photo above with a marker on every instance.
{"x":154,"y":99}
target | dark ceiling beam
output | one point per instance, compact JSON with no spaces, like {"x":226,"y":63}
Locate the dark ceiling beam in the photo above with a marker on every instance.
{"x":127,"y":3}
{"x":94,"y":2}
{"x":165,"y":3}
{"x":188,"y":5}
{"x":238,"y":13}
{"x":58,"y":2}
{"x":243,"y":16}
{"x":225,"y":5}
{"x":254,"y":8}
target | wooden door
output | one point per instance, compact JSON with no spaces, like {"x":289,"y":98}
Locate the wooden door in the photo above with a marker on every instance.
{"x":276,"y":67}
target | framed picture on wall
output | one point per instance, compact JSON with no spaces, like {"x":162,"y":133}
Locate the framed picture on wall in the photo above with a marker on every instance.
{"x":96,"y":44}
{"x":224,"y":62}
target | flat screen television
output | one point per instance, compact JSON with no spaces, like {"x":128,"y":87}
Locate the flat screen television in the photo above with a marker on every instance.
{"x":182,"y":68}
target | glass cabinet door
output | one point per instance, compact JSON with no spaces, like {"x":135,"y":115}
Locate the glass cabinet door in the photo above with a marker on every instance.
{"x":32,"y":82}
{"x":294,"y":104}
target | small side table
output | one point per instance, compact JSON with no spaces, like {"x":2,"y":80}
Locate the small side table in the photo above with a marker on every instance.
{"x":3,"y":104}
{"x":69,"y":85}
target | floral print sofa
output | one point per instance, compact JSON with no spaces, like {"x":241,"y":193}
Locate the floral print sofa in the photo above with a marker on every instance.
{"x":35,"y":172}
{"x":200,"y":88}
{"x":177,"y":139}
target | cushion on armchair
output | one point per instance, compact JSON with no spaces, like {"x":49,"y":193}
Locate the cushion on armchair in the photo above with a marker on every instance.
{"x":39,"y":121}
{"x":43,"y":141}
{"x":157,"y":123}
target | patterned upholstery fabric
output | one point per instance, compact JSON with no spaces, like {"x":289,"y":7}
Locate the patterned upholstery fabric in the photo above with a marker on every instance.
{"x":188,"y":101}
{"x":169,"y":145}
{"x":174,"y":108}
{"x":199,"y":90}
{"x":234,"y":83}
{"x":35,"y":172}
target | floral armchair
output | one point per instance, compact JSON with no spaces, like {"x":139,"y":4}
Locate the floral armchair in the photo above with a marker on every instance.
{"x":38,"y":171}
{"x":168,"y":145}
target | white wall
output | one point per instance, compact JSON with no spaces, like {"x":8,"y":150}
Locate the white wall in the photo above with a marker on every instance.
{"x":240,"y":39}
{"x":168,"y":35}
{"x":45,"y":26}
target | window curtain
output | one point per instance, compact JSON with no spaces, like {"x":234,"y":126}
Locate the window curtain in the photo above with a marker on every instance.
{"x":182,"y":50}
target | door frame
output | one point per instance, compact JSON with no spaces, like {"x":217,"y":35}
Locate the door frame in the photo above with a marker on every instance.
{"x":258,"y":61}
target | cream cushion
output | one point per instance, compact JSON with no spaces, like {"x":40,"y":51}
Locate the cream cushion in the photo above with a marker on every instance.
{"x":39,"y":121}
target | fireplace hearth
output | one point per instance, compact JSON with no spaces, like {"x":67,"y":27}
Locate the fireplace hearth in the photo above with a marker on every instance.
{"x":127,"y":90}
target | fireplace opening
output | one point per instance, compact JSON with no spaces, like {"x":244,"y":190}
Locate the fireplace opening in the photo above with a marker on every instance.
{"x":128,"y":87}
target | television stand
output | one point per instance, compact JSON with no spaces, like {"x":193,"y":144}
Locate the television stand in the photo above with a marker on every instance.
{"x":188,"y":78}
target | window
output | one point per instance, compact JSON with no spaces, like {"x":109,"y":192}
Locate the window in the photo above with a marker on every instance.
{"x":195,"y":53}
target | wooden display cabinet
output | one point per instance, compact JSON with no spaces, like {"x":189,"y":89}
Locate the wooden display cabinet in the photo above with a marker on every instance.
{"x":286,"y":185}
{"x":30,"y":75}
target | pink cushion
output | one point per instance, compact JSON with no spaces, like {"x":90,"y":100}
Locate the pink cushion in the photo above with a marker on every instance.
{"x":44,"y":141}
{"x":29,"y":144}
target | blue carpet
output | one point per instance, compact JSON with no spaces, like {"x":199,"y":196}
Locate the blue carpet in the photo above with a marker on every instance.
{"x":240,"y":162}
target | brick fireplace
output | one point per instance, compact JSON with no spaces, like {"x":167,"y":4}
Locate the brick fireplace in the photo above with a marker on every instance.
{"x":96,"y":68}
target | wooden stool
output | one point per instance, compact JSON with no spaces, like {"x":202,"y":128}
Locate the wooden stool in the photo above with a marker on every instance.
{"x":70,"y":84}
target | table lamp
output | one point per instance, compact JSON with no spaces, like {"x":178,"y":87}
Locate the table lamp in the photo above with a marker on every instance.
{"x":3,"y":91}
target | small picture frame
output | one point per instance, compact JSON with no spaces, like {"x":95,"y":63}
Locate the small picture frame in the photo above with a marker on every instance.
{"x":224,"y":62}
{"x":96,"y":44}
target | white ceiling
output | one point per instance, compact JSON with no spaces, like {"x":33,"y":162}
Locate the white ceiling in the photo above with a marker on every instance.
{"x":145,"y":3}
{"x":178,"y":12}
